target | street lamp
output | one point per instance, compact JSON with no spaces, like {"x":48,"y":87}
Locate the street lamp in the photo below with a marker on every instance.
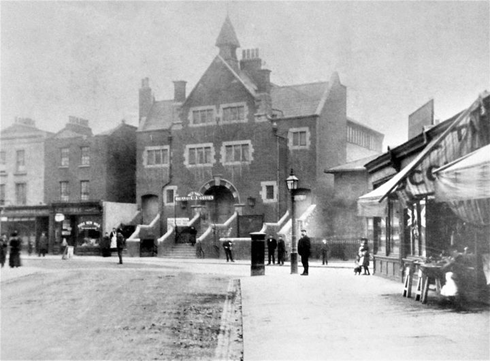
{"x":292,"y":183}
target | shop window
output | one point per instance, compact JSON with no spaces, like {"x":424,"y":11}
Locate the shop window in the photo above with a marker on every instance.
{"x":299,"y":138}
{"x":64,"y":157}
{"x":416,"y":223}
{"x":20,"y":161}
{"x":156,"y":156}
{"x":236,"y":152}
{"x":20,"y":193}
{"x":64,"y":192}
{"x":3,"y":161}
{"x":2,"y":194}
{"x":85,"y":158}
{"x":199,"y":155}
{"x":84,"y":190}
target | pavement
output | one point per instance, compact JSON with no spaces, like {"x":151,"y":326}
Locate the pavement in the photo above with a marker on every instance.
{"x":334,"y":315}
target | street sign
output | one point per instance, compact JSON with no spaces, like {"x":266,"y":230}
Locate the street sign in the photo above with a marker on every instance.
{"x":59,"y":217}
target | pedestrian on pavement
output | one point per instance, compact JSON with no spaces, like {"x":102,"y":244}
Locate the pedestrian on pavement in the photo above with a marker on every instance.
{"x":199,"y":249}
{"x":325,"y":250}
{"x":64,"y":248}
{"x":119,"y":245}
{"x":29,"y":246}
{"x":105,"y":245}
{"x":15,"y":247}
{"x":304,"y":249}
{"x":281,"y":251}
{"x":228,"y":246}
{"x":113,"y":238}
{"x":271,"y":248}
{"x":363,"y":256}
{"x":454,"y":274}
{"x":3,"y":249}
{"x":43,"y":245}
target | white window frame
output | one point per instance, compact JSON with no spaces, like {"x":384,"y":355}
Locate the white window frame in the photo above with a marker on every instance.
{"x":263,"y":192}
{"x":298,"y":130}
{"x":201,"y":145}
{"x":20,"y":161}
{"x":87,"y":193}
{"x":198,"y":109}
{"x":165,"y":199}
{"x":233,"y":143}
{"x":67,"y":158}
{"x":85,"y":158}
{"x":233,"y":105}
{"x":154,"y":148}
{"x":65,"y":197}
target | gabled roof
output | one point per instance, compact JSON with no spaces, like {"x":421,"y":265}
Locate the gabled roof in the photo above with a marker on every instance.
{"x":298,"y":100}
{"x":160,"y":117}
{"x":113,"y":130}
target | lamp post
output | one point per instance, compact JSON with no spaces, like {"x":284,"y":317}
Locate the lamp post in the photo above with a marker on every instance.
{"x":292,"y":184}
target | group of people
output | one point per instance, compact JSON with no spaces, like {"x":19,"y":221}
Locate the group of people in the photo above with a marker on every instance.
{"x":272,"y":244}
{"x":15,"y":247}
{"x":114,"y":240}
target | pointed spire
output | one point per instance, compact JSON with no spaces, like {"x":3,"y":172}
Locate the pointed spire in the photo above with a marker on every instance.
{"x":227,"y":35}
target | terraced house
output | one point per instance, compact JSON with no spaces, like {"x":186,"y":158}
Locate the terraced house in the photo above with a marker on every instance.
{"x":213,"y":163}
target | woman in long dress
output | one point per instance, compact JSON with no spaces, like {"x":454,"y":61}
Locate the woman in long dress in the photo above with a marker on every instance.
{"x":15,"y":246}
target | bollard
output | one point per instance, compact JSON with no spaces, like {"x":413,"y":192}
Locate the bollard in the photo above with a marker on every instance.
{"x":258,"y":251}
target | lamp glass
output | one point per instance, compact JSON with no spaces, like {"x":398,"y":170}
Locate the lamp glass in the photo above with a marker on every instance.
{"x":292,"y":182}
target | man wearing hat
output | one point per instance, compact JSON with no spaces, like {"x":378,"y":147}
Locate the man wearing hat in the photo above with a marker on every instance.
{"x":304,"y":247}
{"x":281,"y":251}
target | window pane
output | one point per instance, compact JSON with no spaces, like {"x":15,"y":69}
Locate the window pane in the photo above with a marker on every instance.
{"x":295,"y":139}
{"x":200,"y":155}
{"x":164,"y":156}
{"x":241,"y":113}
{"x":170,"y":196}
{"x":269,"y":192}
{"x":158,"y":157}
{"x":84,"y":190}
{"x":245,"y":153}
{"x":192,"y":155}
{"x":302,"y":141}
{"x":229,"y":153}
{"x":207,"y":155}
{"x":236,"y":153}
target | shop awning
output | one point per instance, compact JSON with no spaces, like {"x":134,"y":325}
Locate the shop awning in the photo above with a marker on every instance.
{"x":371,"y":204}
{"x":464,"y":179}
{"x":463,"y":136}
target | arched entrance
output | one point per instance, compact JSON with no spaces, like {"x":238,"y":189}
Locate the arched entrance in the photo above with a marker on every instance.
{"x":225,"y":196}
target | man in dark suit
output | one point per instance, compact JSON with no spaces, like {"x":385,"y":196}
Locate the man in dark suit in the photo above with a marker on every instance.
{"x":304,"y":248}
{"x":281,"y":251}
{"x":228,"y":246}
{"x":119,"y":245}
{"x":271,"y":247}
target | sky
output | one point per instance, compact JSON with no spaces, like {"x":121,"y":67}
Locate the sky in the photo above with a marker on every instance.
{"x":87,"y":59}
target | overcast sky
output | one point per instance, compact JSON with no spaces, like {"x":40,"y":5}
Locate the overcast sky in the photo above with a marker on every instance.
{"x":87,"y":59}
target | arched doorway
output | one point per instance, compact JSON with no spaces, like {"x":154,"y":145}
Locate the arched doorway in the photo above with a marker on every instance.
{"x":223,"y":205}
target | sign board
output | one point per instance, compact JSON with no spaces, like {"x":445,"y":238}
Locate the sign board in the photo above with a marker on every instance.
{"x":194,"y":198}
{"x":59,"y":217}
{"x":180,"y":222}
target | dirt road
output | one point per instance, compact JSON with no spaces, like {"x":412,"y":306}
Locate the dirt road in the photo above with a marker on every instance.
{"x":100,"y":310}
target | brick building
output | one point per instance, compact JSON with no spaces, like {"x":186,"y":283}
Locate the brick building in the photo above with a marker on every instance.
{"x":83,"y":172}
{"x":234,"y":139}
{"x":22,"y":180}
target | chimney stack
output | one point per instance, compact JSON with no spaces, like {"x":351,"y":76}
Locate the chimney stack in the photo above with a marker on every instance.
{"x":179,"y":91}
{"x":145,"y":99}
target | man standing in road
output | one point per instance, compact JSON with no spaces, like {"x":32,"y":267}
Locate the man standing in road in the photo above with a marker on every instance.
{"x":119,"y":245}
{"x":43,"y":245}
{"x":304,"y":247}
{"x":271,"y":248}
{"x":324,"y":252}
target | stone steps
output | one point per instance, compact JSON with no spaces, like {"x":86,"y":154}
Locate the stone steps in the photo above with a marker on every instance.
{"x":181,"y":250}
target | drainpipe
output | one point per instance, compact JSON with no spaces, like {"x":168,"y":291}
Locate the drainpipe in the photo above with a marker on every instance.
{"x":170,"y":176}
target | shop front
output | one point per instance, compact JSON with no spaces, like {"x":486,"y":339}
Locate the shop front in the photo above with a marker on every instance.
{"x":79,"y":224}
{"x":410,"y":225}
{"x":28,"y":221}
